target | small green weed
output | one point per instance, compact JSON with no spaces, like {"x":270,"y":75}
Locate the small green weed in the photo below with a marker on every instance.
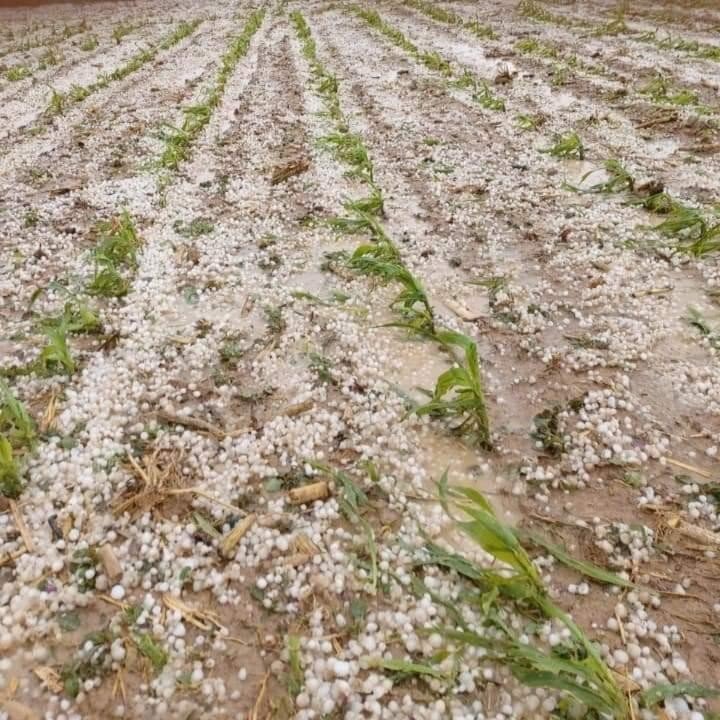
{"x":275,"y":320}
{"x":149,"y":648}
{"x":55,"y":356}
{"x":119,"y":241}
{"x":661,"y":89}
{"x":529,"y":122}
{"x":533,"y":46}
{"x":17,"y":73}
{"x":16,"y":425}
{"x":76,"y":316}
{"x":322,"y":367}
{"x":547,"y":431}
{"x":485,"y":97}
{"x":49,"y":58}
{"x":89,"y":43}
{"x":107,"y":282}
{"x":122,"y":30}
{"x":535,"y":11}
{"x":31,"y":219}
{"x":10,"y":484}
{"x":195,"y":228}
{"x":57,"y":103}
{"x":567,"y":146}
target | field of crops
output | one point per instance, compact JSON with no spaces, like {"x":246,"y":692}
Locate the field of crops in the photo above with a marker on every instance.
{"x":360,"y":360}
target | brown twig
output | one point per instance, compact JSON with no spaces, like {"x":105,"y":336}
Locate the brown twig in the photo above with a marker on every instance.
{"x":21,"y":526}
{"x":260,"y":698}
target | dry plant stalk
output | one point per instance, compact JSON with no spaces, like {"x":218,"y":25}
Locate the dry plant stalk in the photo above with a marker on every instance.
{"x":693,"y":532}
{"x":192,"y":423}
{"x":303,"y":551}
{"x":298,"y":408}
{"x":155,"y":480}
{"x":202,"y":619}
{"x":309,"y":493}
{"x":254,"y":715}
{"x":294,"y":167}
{"x":10,"y":557}
{"x":47,"y":421}
{"x":49,"y":678}
{"x":232,"y":538}
{"x":21,"y":526}
{"x":18,"y":711}
{"x":461,"y":311}
{"x":692,"y":468}
{"x":110,"y":563}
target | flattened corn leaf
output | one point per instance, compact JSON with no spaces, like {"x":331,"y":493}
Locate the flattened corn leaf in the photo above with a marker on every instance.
{"x":406,"y":668}
{"x":657,"y":693}
{"x":589,"y":569}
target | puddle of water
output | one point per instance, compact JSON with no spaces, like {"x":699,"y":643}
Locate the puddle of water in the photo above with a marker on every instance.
{"x":583,"y":174}
{"x":465,"y":466}
{"x":558,"y":100}
{"x":183,"y":315}
{"x":417,"y":365}
{"x":662,"y":148}
{"x":311,"y":281}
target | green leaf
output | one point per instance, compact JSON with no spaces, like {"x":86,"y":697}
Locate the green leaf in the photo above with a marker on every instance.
{"x":405,"y":667}
{"x":68,"y":621}
{"x":297,"y":676}
{"x":206,"y":526}
{"x":585,"y":695}
{"x":450,"y":379}
{"x":585,"y":568}
{"x":273,"y":485}
{"x":657,"y":693}
{"x":358,"y":609}
{"x":71,"y":685}
{"x":147,"y":646}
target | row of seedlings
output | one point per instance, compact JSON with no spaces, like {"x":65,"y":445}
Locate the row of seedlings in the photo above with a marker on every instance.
{"x":59,"y":101}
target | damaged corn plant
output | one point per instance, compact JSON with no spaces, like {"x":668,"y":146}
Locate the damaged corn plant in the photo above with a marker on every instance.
{"x":512,"y":585}
{"x":459,"y":393}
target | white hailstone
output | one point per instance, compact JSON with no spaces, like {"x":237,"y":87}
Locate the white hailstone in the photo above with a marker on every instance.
{"x":117,"y":592}
{"x":340,"y":668}
{"x":117,"y":651}
{"x":242,"y":674}
{"x":621,"y":657}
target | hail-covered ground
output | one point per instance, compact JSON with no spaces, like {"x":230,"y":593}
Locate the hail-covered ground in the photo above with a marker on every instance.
{"x":359,"y":360}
